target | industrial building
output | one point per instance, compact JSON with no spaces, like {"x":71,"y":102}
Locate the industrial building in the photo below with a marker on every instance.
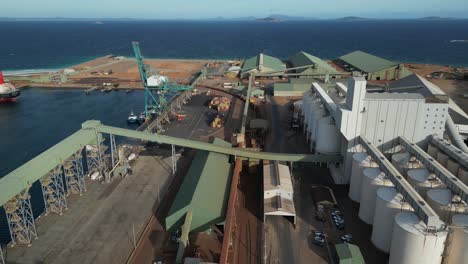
{"x":372,"y":67}
{"x":262,"y":63}
{"x":294,"y":87}
{"x":411,"y":200}
{"x":309,"y":64}
{"x":208,"y":173}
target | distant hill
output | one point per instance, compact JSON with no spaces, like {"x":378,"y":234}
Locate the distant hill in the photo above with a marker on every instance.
{"x":436,"y":18}
{"x":286,"y":18}
{"x":351,"y":18}
{"x":268,"y":19}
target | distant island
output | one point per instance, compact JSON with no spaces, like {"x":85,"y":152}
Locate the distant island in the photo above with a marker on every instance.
{"x":348,"y":18}
{"x":268,"y":19}
{"x":436,"y":18}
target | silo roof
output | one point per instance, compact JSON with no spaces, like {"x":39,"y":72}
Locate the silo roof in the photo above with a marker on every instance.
{"x":367,"y":62}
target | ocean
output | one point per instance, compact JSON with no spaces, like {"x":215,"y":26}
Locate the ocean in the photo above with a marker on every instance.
{"x":37,"y":45}
{"x":42,"y":117}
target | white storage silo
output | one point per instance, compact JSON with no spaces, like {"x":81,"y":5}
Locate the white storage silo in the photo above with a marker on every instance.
{"x":444,"y":204}
{"x":328,"y":136}
{"x":372,"y":180}
{"x":387,"y":204}
{"x":404,"y":161}
{"x":453,"y":166}
{"x":316,"y":115}
{"x":315,"y":106}
{"x":360,"y":161}
{"x":458,"y":240}
{"x":442,"y":158}
{"x":412,"y":242}
{"x":432,"y":151}
{"x":422,"y":180}
{"x":305,"y":109}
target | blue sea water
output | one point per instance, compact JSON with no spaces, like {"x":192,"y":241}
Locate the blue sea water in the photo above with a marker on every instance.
{"x":43,"y":117}
{"x":50,"y":45}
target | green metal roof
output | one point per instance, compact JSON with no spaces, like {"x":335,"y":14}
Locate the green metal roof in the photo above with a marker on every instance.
{"x":367,"y":62}
{"x":204,"y":191}
{"x":266,"y":61}
{"x":292,"y":86}
{"x":250,"y":64}
{"x":303,"y":59}
{"x":349,"y":254}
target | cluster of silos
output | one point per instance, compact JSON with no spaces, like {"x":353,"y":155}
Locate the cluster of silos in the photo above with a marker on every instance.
{"x":451,"y":209}
{"x":450,"y":164}
{"x":319,"y":126}
{"x":392,"y":218}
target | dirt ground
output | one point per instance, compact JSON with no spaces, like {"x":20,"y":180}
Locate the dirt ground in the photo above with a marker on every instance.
{"x":455,"y":89}
{"x":125,"y":71}
{"x":249,"y":217}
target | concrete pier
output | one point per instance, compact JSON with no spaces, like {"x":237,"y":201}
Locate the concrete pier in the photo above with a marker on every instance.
{"x":102,"y":225}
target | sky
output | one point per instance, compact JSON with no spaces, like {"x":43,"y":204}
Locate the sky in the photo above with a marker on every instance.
{"x":194,"y":9}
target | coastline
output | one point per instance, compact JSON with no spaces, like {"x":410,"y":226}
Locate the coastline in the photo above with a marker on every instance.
{"x":125,"y":75}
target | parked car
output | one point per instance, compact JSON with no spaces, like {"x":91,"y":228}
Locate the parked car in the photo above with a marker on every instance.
{"x":319,"y":240}
{"x":347,"y":238}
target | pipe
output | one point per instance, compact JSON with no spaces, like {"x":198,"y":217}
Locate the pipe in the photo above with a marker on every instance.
{"x":454,"y":136}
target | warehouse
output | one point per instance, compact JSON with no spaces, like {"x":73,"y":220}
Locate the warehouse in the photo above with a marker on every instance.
{"x":262,"y":63}
{"x":372,"y":67}
{"x":295,"y":87}
{"x":311,"y":65}
{"x":204,"y":192}
{"x":278,"y":191}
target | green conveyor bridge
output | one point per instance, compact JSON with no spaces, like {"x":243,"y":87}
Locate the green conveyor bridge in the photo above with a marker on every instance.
{"x":22,"y":177}
{"x":62,"y":161}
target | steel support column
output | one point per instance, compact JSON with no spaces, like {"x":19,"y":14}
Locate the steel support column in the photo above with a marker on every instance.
{"x":53,"y":192}
{"x":74,"y":174}
{"x":2,"y":258}
{"x":113,"y":150}
{"x":174,"y":160}
{"x":95,"y":157}
{"x":20,"y":219}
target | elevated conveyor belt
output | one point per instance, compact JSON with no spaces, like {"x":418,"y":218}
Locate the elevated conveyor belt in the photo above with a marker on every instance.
{"x":22,"y":177}
{"x":211,"y":147}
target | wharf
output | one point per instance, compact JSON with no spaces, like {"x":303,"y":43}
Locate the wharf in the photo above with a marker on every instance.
{"x":100,"y":226}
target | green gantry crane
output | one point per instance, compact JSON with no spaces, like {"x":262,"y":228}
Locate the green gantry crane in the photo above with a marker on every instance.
{"x":156,"y":96}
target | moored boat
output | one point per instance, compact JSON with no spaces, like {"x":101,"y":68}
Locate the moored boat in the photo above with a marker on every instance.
{"x":8,"y":92}
{"x":132,"y":118}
